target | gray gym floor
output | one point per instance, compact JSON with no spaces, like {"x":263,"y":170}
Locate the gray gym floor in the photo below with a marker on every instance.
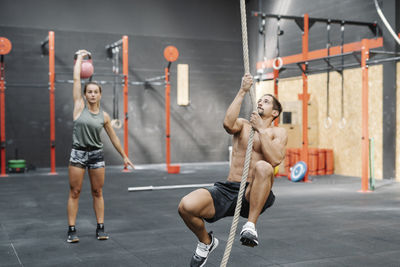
{"x":323,"y":223}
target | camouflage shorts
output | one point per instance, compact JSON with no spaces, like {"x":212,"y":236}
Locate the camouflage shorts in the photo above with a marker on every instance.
{"x":90,"y":159}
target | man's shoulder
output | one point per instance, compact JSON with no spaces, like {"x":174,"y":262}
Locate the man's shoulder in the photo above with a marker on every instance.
{"x":279,"y":130}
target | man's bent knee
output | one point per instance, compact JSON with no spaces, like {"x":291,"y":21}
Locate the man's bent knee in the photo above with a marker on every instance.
{"x":196,"y":204}
{"x":186,"y":206}
{"x":263,"y":169}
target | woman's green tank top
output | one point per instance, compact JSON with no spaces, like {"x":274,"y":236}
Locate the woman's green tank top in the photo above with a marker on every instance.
{"x":87,"y":129}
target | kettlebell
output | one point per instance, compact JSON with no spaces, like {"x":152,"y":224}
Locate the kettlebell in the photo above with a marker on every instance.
{"x":86,"y":66}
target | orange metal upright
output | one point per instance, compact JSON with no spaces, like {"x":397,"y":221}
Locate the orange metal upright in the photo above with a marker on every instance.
{"x":125,"y":71}
{"x":304,"y":97}
{"x":3,"y":119}
{"x":364,"y":123}
{"x":52,"y":104}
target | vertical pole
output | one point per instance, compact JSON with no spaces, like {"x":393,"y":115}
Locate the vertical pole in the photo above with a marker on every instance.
{"x":304,"y":97}
{"x":167,"y":116}
{"x":2,"y":118}
{"x":364,"y":122}
{"x":125,"y":71}
{"x":276,"y":77}
{"x":52,"y":104}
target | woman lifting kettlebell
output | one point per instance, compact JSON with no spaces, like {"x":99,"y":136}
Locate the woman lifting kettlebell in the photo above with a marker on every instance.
{"x":87,"y":147}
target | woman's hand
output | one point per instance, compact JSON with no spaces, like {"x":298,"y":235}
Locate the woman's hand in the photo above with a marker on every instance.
{"x":127,"y":162}
{"x":82,"y":53}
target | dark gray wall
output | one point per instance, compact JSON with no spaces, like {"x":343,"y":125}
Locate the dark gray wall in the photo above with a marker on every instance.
{"x":192,"y":19}
{"x":207,"y":34}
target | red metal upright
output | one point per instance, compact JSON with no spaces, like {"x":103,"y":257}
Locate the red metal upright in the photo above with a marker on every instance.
{"x":304,"y":97}
{"x":171,"y":54}
{"x":364,"y":123}
{"x":125,"y":71}
{"x":52,"y":104}
{"x":167,"y":118}
{"x":170,"y":168}
{"x":3,"y":119}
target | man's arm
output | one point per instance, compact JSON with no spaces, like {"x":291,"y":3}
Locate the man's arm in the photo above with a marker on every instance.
{"x":272,"y":144}
{"x":273,"y":149}
{"x":232,"y":123}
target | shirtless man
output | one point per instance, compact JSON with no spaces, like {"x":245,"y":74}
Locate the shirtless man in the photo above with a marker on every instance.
{"x":214,"y":203}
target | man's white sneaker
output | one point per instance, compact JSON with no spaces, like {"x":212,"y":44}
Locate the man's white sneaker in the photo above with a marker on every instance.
{"x":200,"y":257}
{"x":248,"y":235}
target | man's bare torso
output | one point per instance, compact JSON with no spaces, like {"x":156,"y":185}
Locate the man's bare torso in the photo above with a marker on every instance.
{"x":240,"y":141}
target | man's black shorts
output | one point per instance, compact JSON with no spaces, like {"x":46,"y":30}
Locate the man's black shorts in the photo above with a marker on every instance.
{"x":225,"y":196}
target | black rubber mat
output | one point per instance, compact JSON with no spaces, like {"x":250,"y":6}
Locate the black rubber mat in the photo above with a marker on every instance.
{"x":322,"y":223}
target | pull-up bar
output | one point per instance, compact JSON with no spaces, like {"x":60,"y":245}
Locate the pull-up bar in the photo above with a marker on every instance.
{"x":322,"y":53}
{"x":373,"y":26}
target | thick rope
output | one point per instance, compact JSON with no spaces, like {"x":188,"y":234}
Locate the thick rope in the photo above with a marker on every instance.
{"x":386,"y":23}
{"x":235,"y":220}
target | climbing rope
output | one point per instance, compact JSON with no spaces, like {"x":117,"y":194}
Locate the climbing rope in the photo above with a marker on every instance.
{"x":235,"y":220}
{"x":386,"y":23}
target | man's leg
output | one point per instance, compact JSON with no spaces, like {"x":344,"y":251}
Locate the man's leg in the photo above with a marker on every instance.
{"x":259,"y":188}
{"x":256,"y":194}
{"x":193,"y":208}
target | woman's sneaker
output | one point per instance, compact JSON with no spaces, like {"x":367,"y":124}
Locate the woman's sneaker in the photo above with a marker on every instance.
{"x":248,"y":235}
{"x":200,"y":257}
{"x":72,"y":237}
{"x":100,"y":234}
